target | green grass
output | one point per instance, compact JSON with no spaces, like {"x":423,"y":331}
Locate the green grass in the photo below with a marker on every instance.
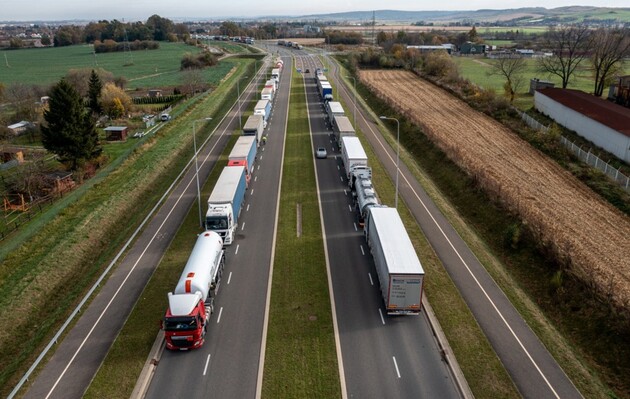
{"x":148,"y":69}
{"x":33,"y":278}
{"x":477,"y":71}
{"x":300,"y":359}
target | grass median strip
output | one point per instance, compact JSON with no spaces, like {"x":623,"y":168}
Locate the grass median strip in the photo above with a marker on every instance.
{"x":301,"y":360}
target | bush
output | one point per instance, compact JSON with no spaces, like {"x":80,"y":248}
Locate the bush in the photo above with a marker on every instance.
{"x":199,"y":61}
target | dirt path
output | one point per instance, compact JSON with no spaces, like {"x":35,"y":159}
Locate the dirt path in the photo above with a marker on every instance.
{"x":566,"y":215}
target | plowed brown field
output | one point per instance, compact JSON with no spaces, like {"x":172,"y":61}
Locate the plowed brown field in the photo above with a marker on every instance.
{"x":565,"y":214}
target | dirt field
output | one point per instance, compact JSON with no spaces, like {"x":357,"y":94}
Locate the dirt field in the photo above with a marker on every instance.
{"x":567,"y":216}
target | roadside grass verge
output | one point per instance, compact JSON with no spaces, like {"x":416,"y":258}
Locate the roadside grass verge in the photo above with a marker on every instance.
{"x":482,"y":368}
{"x":300,"y":359}
{"x":48,"y":272}
{"x":119,"y":373}
{"x":576,"y":329}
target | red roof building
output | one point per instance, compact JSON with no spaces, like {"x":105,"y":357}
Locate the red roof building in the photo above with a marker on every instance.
{"x":605,"y":124}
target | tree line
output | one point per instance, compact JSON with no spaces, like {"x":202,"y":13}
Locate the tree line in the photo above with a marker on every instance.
{"x":568,"y":49}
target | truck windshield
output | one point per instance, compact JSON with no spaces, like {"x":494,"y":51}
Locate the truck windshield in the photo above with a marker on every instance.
{"x":216,"y":223}
{"x":180,"y":323}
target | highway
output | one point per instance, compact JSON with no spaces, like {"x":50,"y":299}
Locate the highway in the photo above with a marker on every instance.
{"x":71,"y":368}
{"x":383,"y":357}
{"x":227,"y":366}
{"x":534,"y":371}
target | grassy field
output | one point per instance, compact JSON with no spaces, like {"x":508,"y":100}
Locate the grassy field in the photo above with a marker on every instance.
{"x":300,"y":360}
{"x":478,"y":70}
{"x":127,"y":189}
{"x":142,"y":69}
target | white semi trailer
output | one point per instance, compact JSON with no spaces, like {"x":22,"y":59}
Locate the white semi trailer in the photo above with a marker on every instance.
{"x":400,"y":273}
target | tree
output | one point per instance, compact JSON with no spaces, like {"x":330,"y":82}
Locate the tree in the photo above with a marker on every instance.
{"x":113,"y":98}
{"x":80,"y":78}
{"x":610,"y":47}
{"x":511,"y":68}
{"x":94,"y":93}
{"x":69,"y":131}
{"x":472,"y":34}
{"x":569,"y":45}
{"x":45,"y":40}
{"x":161,"y":27}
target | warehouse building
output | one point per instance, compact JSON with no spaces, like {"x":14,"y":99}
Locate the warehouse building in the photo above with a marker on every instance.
{"x":605,"y":124}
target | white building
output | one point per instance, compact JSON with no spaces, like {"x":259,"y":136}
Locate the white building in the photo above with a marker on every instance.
{"x":605,"y":124}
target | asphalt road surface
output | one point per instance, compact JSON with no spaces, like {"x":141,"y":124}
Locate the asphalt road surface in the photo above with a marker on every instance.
{"x":534,"y":371}
{"x":78,"y":357}
{"x":383,"y":357}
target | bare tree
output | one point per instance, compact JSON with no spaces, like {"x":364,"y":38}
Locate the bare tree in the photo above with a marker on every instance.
{"x":511,"y":68}
{"x":570,"y":45}
{"x":193,"y":80}
{"x":610,"y":47}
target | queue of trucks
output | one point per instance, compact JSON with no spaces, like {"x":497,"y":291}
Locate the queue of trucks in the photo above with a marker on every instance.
{"x":400,"y":272}
{"x":185,"y":323}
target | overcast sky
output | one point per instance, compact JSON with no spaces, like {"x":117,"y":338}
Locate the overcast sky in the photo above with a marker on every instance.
{"x":140,"y":10}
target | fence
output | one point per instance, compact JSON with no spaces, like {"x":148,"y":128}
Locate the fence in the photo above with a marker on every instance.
{"x":584,"y":156}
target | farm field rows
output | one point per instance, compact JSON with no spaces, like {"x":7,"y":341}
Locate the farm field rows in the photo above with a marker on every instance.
{"x":565,"y":215}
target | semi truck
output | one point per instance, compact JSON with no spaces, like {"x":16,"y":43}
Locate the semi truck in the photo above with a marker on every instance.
{"x":353,"y":155}
{"x":267,"y":94}
{"x":364,"y":193}
{"x":263,"y":108}
{"x":225,"y":201}
{"x":192,"y":302}
{"x":342,"y":127}
{"x":275,"y":74}
{"x":326,"y":91}
{"x":244,"y":154}
{"x":399,"y":270}
{"x":254,"y":126}
{"x":333,"y":108}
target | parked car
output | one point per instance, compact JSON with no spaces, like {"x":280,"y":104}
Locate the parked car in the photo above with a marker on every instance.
{"x":321,"y":153}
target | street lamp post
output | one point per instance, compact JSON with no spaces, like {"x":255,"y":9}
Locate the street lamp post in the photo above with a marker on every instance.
{"x":355,"y":98}
{"x":238,"y":89}
{"x":397,"y":154}
{"x":197,"y":167}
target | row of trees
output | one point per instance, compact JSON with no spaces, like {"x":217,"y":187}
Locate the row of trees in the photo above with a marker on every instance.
{"x":155,"y":28}
{"x":571,"y":48}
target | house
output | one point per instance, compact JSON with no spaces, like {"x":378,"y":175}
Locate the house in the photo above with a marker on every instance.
{"x":116,"y":133}
{"x":470,"y":48}
{"x":605,"y":124}
{"x":20,"y":127}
